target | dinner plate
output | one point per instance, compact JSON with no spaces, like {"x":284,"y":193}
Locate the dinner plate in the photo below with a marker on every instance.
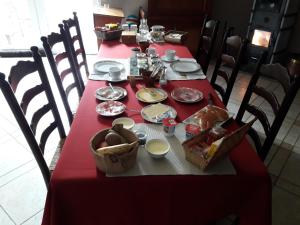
{"x":104,"y":65}
{"x":127,"y":122}
{"x":110,"y":108}
{"x":164,"y":58}
{"x":106,"y":93}
{"x":151,"y":95}
{"x":155,"y":113}
{"x":187,"y":95}
{"x":185,"y":66}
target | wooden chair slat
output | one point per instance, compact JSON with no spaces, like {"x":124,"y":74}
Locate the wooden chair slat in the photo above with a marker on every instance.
{"x":67,"y":25}
{"x":61,"y":56}
{"x":291,"y":87}
{"x":207,"y":41}
{"x":224,"y":75}
{"x":6,"y":88}
{"x":29,"y":95}
{"x":261,"y":115}
{"x":38,"y":115}
{"x":270,"y":97}
{"x":19,"y":71}
{"x":64,"y":73}
{"x":46,"y":133}
{"x":69,"y":88}
{"x":279,"y":73}
{"x":231,"y":53}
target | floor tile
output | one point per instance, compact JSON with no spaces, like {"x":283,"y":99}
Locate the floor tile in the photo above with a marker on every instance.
{"x":288,"y":186}
{"x":286,"y":208}
{"x":296,"y":149}
{"x":276,"y":165}
{"x":12,"y":155}
{"x":4,"y":218}
{"x":35,"y":220}
{"x":17,"y":172}
{"x":293,"y":135}
{"x":291,"y":169}
{"x":22,"y":199}
{"x":273,"y":151}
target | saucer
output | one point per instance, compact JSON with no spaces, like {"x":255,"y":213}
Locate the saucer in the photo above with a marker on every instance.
{"x":164,"y":58}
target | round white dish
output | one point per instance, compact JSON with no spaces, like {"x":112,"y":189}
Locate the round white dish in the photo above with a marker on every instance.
{"x":128,"y":123}
{"x":155,"y":113}
{"x":110,"y":108}
{"x":106,"y":93}
{"x":103,"y":66}
{"x":151,"y":95}
{"x":165,"y":59}
{"x":157,"y":148}
{"x":185,"y":66}
{"x":186,"y":95}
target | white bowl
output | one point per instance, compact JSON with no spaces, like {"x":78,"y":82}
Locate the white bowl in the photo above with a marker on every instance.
{"x":157,"y":148}
{"x":128,"y":123}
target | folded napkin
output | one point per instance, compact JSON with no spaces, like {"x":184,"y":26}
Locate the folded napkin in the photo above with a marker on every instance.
{"x":173,"y":75}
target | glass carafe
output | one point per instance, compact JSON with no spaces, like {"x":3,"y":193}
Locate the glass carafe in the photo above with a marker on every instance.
{"x":144,"y":29}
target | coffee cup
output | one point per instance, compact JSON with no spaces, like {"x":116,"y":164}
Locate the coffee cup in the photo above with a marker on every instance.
{"x":170,"y":54}
{"x":114,"y":73}
{"x":144,"y":45}
{"x":151,"y":51}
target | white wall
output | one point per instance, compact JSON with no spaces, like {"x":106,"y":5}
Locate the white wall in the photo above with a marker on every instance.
{"x":129,"y":6}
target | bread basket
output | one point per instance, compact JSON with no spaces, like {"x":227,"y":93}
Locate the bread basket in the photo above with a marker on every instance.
{"x":117,"y":158}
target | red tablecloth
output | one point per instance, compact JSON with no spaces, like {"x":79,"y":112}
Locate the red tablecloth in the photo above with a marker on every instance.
{"x":80,"y":194}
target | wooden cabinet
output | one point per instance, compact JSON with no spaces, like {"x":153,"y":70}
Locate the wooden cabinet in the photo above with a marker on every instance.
{"x":183,"y":15}
{"x":103,"y":16}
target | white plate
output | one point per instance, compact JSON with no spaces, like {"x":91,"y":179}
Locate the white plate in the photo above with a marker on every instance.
{"x":128,"y":123}
{"x":151,"y":95}
{"x":106,"y":93}
{"x":104,"y":65}
{"x":110,"y":108}
{"x":156,"y":112}
{"x":185,"y":66}
{"x":164,"y":58}
{"x":187,"y":95}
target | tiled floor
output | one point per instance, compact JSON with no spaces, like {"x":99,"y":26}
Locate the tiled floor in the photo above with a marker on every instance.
{"x":22,"y":189}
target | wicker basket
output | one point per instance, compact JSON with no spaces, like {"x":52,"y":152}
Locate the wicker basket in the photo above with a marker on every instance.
{"x":108,"y":35}
{"x":118,"y":158}
{"x":228,"y":143}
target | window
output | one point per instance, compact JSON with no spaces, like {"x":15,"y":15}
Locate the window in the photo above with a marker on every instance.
{"x":23,"y":22}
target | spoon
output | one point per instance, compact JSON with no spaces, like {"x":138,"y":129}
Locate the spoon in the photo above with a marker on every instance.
{"x":114,"y":91}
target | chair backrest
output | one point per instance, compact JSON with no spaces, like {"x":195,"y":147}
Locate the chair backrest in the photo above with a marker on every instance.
{"x":290,"y":85}
{"x":17,"y":73}
{"x":228,"y":63}
{"x":207,"y":41}
{"x":76,"y":49}
{"x":55,"y":59}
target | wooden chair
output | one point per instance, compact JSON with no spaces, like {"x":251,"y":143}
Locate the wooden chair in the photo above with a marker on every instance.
{"x":21,"y":70}
{"x":290,"y":84}
{"x":228,"y":63}
{"x":79,"y":50}
{"x":207,"y":41}
{"x":55,"y":59}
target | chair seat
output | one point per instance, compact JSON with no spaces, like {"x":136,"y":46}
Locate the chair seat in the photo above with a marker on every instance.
{"x":56,"y":154}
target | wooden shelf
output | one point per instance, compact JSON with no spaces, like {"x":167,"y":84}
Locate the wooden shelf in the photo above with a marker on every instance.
{"x":103,"y":16}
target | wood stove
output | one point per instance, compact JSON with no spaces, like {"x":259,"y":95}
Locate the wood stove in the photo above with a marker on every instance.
{"x":270,"y":26}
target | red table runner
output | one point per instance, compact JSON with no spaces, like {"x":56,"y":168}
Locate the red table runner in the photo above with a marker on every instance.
{"x":80,"y":194}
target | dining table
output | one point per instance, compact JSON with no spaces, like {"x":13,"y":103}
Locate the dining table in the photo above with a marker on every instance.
{"x":80,"y":194}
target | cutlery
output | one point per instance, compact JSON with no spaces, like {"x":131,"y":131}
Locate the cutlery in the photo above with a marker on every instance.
{"x":114,"y":91}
